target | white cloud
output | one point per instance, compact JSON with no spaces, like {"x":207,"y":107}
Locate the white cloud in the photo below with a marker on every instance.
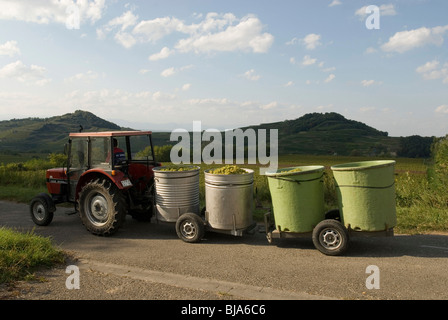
{"x":86,"y":76}
{"x":335,"y":3}
{"x":271,"y":105}
{"x":406,"y":40}
{"x":388,"y":10}
{"x":125,"y":39}
{"x":292,"y":41}
{"x":127,"y":19}
{"x":168,"y":72}
{"x":45,"y":12}
{"x":370,"y":50}
{"x":163,"y":54}
{"x":247,"y":35}
{"x":22,"y":73}
{"x":215,"y":33}
{"x":171,"y":71}
{"x":186,"y":87}
{"x":289,"y":84}
{"x":312,"y":41}
{"x":161,"y":96}
{"x":428,"y":67}
{"x":442,"y":109}
{"x":330,"y":78}
{"x":156,"y":29}
{"x":433,"y":71}
{"x":307,"y":61}
{"x":120,"y":24}
{"x":251,"y":75}
{"x":329,"y":69}
{"x":368,"y":83}
{"x":9,"y":48}
{"x":385,"y":10}
{"x":144,"y":71}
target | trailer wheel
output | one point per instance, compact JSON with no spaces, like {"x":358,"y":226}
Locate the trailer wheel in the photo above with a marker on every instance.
{"x":190,"y":228}
{"x":330,"y":237}
{"x":41,"y":209}
{"x":101,"y":207}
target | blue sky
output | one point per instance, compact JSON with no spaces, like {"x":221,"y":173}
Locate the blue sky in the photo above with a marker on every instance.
{"x":160,"y":65}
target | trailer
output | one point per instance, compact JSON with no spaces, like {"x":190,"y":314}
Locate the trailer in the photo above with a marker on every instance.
{"x":366,"y":204}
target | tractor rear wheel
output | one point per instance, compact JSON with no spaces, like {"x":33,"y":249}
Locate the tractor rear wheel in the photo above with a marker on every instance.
{"x":102,"y":207}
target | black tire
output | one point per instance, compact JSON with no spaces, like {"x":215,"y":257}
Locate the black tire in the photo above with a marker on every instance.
{"x":331,"y":238}
{"x":42,"y":209}
{"x":190,"y":228}
{"x":102,"y":207}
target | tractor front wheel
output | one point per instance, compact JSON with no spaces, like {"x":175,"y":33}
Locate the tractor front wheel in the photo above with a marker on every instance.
{"x":41,"y":209}
{"x":101,"y":207}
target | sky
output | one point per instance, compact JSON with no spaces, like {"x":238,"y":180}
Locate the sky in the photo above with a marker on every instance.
{"x":160,"y":65}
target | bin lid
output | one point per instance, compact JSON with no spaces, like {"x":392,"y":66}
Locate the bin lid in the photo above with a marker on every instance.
{"x":363,"y":165}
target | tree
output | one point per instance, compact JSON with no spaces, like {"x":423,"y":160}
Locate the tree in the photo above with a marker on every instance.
{"x":415,"y":147}
{"x":439,"y":150}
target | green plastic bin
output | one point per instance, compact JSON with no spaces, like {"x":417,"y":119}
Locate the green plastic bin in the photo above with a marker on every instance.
{"x":366,"y":195}
{"x":297,"y":198}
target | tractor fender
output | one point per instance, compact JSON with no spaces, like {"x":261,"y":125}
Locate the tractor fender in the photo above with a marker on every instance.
{"x":94,"y":174}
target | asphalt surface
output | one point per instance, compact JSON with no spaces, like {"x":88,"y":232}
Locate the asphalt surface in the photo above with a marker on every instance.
{"x":147,"y":261}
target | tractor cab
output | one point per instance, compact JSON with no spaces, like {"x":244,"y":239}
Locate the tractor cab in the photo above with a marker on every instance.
{"x":106,"y":172}
{"x":125,"y":157}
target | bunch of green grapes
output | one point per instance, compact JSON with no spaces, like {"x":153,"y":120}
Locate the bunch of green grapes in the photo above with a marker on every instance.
{"x":228,"y":169}
{"x":175,"y":169}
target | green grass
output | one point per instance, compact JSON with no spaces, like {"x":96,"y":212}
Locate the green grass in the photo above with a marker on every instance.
{"x":20,"y":194}
{"x":22,"y":253}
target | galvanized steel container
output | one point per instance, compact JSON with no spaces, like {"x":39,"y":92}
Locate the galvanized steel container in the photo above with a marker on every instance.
{"x":176,"y":193}
{"x":229,"y":201}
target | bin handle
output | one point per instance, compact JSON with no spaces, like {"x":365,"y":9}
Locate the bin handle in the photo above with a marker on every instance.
{"x":366,"y":187}
{"x":298,"y":181}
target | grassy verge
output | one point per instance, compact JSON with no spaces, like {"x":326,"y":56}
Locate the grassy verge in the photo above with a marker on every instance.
{"x":20,"y":194}
{"x":22,"y":253}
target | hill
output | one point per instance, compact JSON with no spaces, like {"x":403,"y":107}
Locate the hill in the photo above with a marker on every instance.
{"x":314,"y":133}
{"x":49,"y":134}
{"x":331,"y":133}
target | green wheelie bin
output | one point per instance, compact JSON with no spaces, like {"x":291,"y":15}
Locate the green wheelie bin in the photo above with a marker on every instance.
{"x":297,"y":198}
{"x":366,"y":195}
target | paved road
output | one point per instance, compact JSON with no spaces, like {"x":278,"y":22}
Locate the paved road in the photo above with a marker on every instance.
{"x":147,"y":261}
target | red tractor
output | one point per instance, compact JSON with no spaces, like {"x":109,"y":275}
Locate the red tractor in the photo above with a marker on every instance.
{"x":108,"y":175}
